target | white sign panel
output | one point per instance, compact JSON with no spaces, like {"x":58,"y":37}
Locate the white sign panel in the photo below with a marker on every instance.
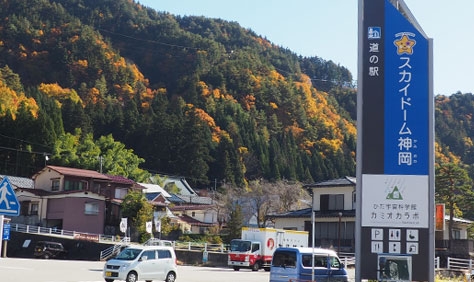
{"x":395,"y":200}
{"x":123,"y":225}
{"x":148,"y":226}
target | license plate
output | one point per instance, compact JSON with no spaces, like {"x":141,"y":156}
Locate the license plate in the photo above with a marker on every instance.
{"x":108,"y":274}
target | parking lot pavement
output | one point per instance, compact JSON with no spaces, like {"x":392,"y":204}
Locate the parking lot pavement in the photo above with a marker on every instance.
{"x":41,"y":270}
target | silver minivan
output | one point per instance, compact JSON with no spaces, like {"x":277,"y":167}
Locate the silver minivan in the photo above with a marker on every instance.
{"x":142,"y":263}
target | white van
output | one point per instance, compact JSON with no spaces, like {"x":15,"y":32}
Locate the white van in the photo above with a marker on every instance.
{"x":142,"y":263}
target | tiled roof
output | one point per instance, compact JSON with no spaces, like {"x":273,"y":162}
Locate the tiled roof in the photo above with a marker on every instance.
{"x":190,"y":207}
{"x":190,"y":199}
{"x":151,"y":196}
{"x":152,"y":188}
{"x":193,"y":221}
{"x":120,"y":179}
{"x":19,"y":182}
{"x":156,"y":200}
{"x":75,"y":172}
{"x":123,"y":180}
{"x":37,"y":192}
{"x":175,"y":199}
{"x":346,"y":181}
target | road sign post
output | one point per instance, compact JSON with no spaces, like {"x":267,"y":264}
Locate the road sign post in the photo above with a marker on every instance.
{"x":9,"y":205}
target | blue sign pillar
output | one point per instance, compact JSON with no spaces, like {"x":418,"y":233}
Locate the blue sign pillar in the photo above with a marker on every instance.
{"x":395,"y":146}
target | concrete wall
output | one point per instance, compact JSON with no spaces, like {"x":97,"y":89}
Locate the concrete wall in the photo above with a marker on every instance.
{"x":86,"y":250}
{"x":198,"y":258}
{"x":18,"y":246}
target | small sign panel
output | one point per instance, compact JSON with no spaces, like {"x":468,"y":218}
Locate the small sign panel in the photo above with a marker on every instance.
{"x":440,"y":217}
{"x":395,"y":201}
{"x":6,"y":231}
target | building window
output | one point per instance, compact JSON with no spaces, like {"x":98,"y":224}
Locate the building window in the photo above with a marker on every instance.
{"x":24,"y":206}
{"x":96,"y":188}
{"x":332,"y":202}
{"x":54,"y":184}
{"x":193,"y":214}
{"x":34,"y":208}
{"x":456,"y":234}
{"x":120,"y":193}
{"x":70,"y":185}
{"x":353,"y":200}
{"x":91,"y":208}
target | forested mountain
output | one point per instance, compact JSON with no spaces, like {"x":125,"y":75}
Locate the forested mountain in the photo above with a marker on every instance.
{"x":192,"y":96}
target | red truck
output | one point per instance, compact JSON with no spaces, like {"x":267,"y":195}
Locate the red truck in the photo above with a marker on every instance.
{"x":255,"y":248}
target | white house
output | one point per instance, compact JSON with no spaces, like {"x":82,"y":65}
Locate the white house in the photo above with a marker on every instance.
{"x":334,"y":205}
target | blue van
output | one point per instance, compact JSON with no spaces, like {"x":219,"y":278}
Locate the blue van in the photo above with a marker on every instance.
{"x":295,"y":265}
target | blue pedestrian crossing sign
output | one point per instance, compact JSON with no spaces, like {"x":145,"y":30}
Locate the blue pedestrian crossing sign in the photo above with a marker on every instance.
{"x":8,"y":202}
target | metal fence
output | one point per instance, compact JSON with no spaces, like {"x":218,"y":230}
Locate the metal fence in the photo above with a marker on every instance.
{"x":459,"y":264}
{"x":62,"y":233}
{"x":347,"y":258}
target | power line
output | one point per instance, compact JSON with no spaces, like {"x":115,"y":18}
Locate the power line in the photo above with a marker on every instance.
{"x":25,"y":141}
{"x":148,"y":40}
{"x":24,"y":151}
{"x":345,"y":83}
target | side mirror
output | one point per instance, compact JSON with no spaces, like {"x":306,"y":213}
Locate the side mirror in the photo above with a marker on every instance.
{"x":144,"y":258}
{"x":341,"y":266}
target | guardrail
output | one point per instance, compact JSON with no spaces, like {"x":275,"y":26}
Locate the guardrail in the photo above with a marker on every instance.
{"x":196,"y":246}
{"x":50,"y":231}
{"x":114,"y":250}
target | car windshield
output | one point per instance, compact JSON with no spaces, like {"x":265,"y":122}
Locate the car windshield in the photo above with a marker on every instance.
{"x":284,"y":259}
{"x":128,"y":254}
{"x":239,"y":246}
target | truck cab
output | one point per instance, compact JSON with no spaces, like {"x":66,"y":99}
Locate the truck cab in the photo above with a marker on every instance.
{"x":245,"y":254}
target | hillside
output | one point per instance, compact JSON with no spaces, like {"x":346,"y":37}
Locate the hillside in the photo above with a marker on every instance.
{"x":203,"y":98}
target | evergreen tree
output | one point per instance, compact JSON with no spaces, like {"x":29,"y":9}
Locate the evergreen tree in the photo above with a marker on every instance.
{"x":235,"y":222}
{"x":454,"y":189}
{"x":193,"y":150}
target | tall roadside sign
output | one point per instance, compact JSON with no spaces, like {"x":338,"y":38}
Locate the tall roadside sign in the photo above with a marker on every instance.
{"x":395,"y":146}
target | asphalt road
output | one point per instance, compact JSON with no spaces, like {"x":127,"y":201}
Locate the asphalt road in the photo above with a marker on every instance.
{"x":39,"y":270}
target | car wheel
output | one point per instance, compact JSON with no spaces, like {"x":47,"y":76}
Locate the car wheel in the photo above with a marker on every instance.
{"x":236,"y":268}
{"x":256,"y":266}
{"x":109,"y":280}
{"x":132,"y":277}
{"x":46,"y":256}
{"x":171,"y":277}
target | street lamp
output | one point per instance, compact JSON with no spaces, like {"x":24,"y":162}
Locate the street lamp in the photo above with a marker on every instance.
{"x":339,"y":235}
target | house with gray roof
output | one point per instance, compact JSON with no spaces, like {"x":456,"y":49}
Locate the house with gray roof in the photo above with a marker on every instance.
{"x":334,"y":211}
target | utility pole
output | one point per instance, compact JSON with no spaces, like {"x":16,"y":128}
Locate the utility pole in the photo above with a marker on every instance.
{"x":100,"y":163}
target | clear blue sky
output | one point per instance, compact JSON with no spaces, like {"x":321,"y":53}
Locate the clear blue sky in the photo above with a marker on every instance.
{"x":329,"y":28}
